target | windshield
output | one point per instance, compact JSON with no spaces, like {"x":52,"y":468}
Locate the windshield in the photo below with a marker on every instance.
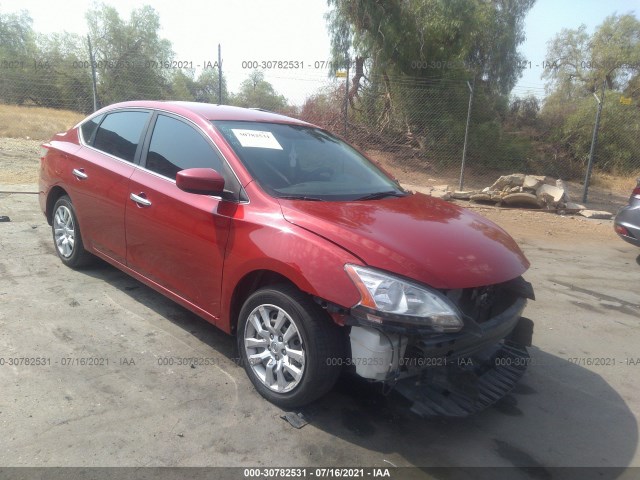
{"x":298,"y":162}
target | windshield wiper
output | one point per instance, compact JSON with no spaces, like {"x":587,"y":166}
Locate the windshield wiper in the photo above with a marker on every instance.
{"x":378,"y":195}
{"x":301,"y":197}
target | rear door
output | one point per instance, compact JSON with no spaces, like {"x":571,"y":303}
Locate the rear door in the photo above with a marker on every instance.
{"x":98,"y":178}
{"x":174,"y":238}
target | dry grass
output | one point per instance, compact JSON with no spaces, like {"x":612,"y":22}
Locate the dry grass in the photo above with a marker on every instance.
{"x":616,"y":183}
{"x":19,"y":160}
{"x":35,"y":123}
{"x":606,"y":191}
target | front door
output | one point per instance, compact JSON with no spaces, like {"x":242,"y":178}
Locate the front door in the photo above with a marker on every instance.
{"x":175,"y":238}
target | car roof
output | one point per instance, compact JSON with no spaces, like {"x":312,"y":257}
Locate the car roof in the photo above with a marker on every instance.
{"x":209,"y":111}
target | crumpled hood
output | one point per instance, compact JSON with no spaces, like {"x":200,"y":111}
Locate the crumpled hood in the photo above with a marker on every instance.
{"x":417,"y":236}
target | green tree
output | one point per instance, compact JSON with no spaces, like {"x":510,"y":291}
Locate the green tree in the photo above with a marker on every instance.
{"x":432,"y":38}
{"x":412,"y":61}
{"x":17,"y":53}
{"x":581,"y":65}
{"x":203,"y":89}
{"x":133,"y":62}
{"x":181,"y":85}
{"x":256,"y":92}
{"x":63,"y":80}
{"x":206,"y":87}
{"x":42,"y":69}
{"x":578,"y":63}
{"x":523,"y":112}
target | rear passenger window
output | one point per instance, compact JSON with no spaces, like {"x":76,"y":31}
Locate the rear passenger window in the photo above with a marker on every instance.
{"x":119,"y":134}
{"x":89,"y":127}
{"x":176,"y":146}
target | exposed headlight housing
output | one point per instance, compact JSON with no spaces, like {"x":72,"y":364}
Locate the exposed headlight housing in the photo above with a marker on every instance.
{"x":386,"y":297}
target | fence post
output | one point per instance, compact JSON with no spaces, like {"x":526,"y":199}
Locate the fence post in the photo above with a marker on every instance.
{"x":219,"y":75}
{"x":93,"y":75}
{"x":594,"y":142}
{"x":466,"y":133}
{"x":346,"y":100}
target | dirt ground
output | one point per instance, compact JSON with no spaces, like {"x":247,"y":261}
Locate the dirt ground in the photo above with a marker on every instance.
{"x":19,"y":160}
{"x":577,"y":405}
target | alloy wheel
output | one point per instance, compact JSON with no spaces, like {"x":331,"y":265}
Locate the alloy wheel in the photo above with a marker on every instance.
{"x":64,"y":231}
{"x":274,"y":348}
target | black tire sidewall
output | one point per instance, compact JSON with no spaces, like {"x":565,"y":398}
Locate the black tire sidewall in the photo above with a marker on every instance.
{"x":78,"y":255}
{"x":306,"y":316}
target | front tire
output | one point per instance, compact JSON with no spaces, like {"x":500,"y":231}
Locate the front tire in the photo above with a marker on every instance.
{"x":66,"y":235}
{"x":290,"y":348}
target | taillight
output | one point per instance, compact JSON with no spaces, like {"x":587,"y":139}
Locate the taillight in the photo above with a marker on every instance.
{"x":620,"y":230}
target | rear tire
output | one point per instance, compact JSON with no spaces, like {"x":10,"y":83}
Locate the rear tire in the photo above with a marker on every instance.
{"x":67,"y":239}
{"x":290,"y":348}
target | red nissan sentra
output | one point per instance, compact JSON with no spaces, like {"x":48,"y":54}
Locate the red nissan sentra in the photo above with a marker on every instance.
{"x":279,"y":232}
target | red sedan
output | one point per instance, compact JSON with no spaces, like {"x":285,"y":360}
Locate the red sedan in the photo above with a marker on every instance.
{"x":279,"y":232}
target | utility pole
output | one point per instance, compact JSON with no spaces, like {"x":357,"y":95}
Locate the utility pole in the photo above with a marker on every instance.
{"x":93,"y":75}
{"x":219,"y":75}
{"x":466,"y":132}
{"x":594,"y":142}
{"x":346,"y":98}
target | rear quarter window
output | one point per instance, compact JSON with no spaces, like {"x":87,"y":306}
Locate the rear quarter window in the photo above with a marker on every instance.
{"x":120,"y":132}
{"x":89,"y":127}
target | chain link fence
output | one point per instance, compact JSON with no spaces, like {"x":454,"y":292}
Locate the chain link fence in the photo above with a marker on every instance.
{"x":415,"y":129}
{"x":450,"y":131}
{"x":57,"y":86}
{"x":423,"y":131}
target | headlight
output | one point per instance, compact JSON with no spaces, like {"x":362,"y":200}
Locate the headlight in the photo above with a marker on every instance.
{"x":387,"y":297}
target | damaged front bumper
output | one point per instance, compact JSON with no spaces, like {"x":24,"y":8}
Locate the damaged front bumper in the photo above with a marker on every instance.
{"x":450,"y":374}
{"x":469,"y":384}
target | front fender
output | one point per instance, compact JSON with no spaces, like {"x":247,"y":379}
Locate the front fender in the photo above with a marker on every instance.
{"x":313,"y":264}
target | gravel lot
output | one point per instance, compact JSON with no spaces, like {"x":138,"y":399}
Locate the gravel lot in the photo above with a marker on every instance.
{"x":578,"y":404}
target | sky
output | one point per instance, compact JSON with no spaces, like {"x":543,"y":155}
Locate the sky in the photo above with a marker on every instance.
{"x":255,"y":30}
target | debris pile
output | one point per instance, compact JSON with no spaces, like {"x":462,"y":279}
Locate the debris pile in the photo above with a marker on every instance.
{"x":525,"y":190}
{"x":520,"y":190}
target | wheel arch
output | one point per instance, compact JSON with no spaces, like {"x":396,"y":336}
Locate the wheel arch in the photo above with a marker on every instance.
{"x":54,"y":194}
{"x":249,"y":283}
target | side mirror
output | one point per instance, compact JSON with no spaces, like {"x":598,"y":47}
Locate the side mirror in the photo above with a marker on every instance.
{"x":204,"y":181}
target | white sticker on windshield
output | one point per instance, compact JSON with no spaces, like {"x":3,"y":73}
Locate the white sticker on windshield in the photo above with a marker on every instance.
{"x":256,"y":139}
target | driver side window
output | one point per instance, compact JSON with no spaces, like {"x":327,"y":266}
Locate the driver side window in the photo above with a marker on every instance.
{"x":177,"y":146}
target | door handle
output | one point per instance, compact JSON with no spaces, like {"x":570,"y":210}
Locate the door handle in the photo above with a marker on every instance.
{"x":140,"y":200}
{"x":79,"y":174}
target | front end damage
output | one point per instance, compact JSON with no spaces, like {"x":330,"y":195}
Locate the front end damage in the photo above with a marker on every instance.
{"x":451,"y":373}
